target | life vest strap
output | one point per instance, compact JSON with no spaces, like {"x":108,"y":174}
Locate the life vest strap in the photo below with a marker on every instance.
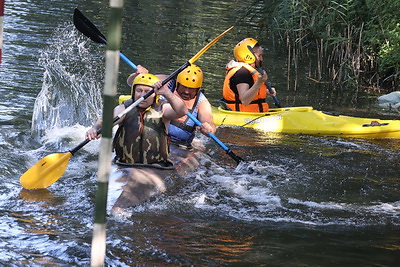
{"x":183,"y":126}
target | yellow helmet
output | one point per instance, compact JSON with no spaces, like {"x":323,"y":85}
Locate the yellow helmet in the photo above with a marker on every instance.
{"x":145,"y":79}
{"x":191,"y":76}
{"x":242,"y":52}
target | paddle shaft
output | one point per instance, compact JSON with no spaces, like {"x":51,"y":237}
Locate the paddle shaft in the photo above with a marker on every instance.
{"x":270,"y":90}
{"x":85,"y":26}
{"x":224,"y":147}
{"x":269,"y":86}
{"x":121,"y":55}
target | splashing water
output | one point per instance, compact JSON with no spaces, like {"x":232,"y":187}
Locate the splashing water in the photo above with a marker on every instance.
{"x":72,"y":82}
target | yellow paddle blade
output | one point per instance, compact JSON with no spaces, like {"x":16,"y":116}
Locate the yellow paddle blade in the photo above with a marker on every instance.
{"x":46,"y":171}
{"x":201,"y":52}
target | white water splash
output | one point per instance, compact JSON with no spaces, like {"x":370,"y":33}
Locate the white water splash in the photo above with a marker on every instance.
{"x":72,"y":82}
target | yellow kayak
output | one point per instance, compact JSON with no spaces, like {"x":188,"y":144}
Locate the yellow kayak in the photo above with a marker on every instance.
{"x":306,"y":120}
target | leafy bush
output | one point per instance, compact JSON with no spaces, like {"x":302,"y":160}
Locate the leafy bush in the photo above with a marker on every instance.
{"x":354,"y":41}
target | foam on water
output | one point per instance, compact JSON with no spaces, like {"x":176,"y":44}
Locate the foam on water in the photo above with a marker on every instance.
{"x":260,"y":191}
{"x":72,"y":83}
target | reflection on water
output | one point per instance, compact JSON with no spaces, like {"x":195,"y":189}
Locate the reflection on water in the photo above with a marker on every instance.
{"x":172,"y":238}
{"x":42,"y":197}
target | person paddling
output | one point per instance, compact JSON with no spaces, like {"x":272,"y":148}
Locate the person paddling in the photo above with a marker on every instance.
{"x":244,"y":87}
{"x":142,"y":134}
{"x":187,"y":86}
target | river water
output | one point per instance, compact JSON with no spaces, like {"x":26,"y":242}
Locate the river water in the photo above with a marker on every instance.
{"x":298,"y":200}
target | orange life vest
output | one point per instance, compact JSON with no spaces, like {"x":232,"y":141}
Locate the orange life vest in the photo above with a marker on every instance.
{"x":231,"y":96}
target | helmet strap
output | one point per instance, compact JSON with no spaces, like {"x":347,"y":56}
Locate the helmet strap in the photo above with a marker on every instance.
{"x":252,"y":51}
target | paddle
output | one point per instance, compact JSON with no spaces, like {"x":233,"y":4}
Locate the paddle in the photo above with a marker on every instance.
{"x":85,"y":26}
{"x":224,"y":147}
{"x":269,"y":86}
{"x":49,"y":169}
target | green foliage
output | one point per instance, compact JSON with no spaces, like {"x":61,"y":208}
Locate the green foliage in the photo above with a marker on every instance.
{"x":383,"y":33}
{"x":389,"y":51}
{"x":355,"y":41}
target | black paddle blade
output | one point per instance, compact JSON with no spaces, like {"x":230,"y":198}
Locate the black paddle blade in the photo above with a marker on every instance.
{"x":234,"y":156}
{"x":85,"y":26}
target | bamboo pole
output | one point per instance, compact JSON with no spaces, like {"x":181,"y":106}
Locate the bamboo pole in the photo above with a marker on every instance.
{"x":1,"y":28}
{"x":110,"y":91}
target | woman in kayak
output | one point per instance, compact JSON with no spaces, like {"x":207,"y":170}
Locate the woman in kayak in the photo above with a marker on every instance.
{"x":244,"y":86}
{"x":142,"y":134}
{"x":187,"y":86}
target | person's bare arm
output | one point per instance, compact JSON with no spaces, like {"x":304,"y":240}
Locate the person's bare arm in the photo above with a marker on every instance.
{"x":175,"y":108}
{"x":206,"y":118}
{"x":247,"y":94}
{"x":91,"y":134}
{"x":140,"y":69}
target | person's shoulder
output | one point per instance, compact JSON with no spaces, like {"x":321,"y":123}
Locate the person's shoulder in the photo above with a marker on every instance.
{"x":202,"y":97}
{"x":242,"y":71}
{"x":203,"y":102}
{"x":204,"y":108}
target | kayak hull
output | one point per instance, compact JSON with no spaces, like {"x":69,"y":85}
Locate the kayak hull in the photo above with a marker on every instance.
{"x":306,"y":120}
{"x":133,"y":186}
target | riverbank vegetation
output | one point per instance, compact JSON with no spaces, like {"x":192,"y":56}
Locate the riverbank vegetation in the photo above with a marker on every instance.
{"x":348,"y":43}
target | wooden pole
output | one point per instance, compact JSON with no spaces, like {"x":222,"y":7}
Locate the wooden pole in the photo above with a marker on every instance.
{"x":1,"y":27}
{"x":110,"y":91}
